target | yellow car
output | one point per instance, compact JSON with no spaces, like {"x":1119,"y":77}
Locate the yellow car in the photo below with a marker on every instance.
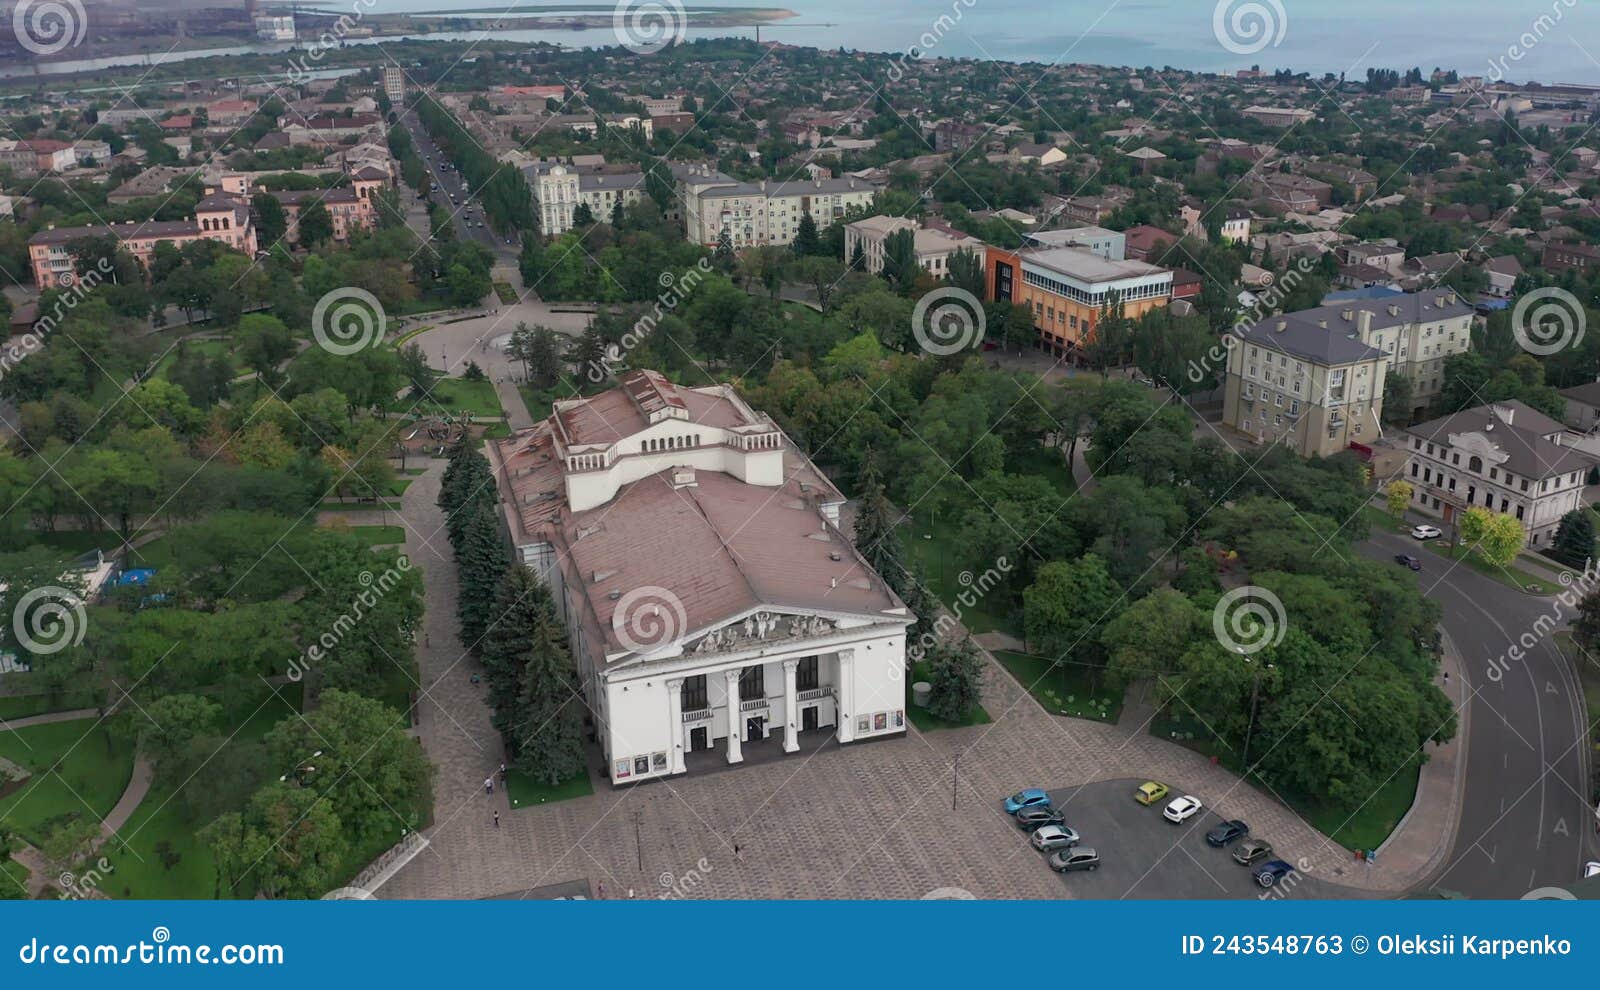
{"x":1150,"y":792}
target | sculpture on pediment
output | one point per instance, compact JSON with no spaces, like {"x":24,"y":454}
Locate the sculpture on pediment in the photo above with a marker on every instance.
{"x":762,"y":626}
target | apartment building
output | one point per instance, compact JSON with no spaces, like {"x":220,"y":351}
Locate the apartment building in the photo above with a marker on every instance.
{"x":1416,"y":332}
{"x":219,"y":216}
{"x":559,"y":188}
{"x":351,"y":207}
{"x":764,"y":213}
{"x":1289,"y":380}
{"x":934,"y":245}
{"x":1506,"y":457}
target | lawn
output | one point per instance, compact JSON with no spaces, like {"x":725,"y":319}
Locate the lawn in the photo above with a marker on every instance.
{"x":507,"y":294}
{"x":929,"y":722}
{"x":77,"y":541}
{"x":939,"y":551}
{"x":454,"y":395}
{"x":161,"y":832}
{"x":1365,"y":827}
{"x":77,"y":772}
{"x":524,"y":790}
{"x":360,"y":505}
{"x":13,"y":875}
{"x":1066,"y":689}
{"x":27,"y":705}
{"x":378,"y":536}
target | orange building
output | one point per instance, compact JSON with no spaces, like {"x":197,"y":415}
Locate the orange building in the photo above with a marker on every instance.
{"x":1069,"y":288}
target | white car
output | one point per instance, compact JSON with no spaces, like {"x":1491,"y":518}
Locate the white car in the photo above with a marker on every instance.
{"x":1426,"y":533}
{"x":1182,"y":809}
{"x":1591,"y":870}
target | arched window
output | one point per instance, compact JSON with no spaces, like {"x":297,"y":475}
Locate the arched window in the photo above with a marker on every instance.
{"x":1475,"y":465}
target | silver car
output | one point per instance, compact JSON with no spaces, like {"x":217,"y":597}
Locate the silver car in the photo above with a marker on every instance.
{"x":1074,"y":859}
{"x":1049,"y":838}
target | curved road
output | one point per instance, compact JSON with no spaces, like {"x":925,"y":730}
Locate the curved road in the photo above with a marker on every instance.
{"x":1526,"y":819}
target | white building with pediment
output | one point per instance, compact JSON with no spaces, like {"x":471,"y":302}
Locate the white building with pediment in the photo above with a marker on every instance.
{"x":1507,"y":457}
{"x":716,"y":611}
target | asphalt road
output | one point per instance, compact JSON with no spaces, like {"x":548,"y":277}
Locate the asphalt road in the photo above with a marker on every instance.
{"x":1526,"y":813}
{"x":465,"y":211}
{"x":1145,"y":857}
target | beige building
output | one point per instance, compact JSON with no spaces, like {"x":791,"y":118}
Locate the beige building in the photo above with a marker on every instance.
{"x":764,"y":213}
{"x":1506,"y":457}
{"x":934,"y":245}
{"x":1415,"y":332}
{"x":1297,"y":381}
{"x":559,"y":189}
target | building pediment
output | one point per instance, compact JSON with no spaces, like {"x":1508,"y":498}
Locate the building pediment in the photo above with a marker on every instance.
{"x":1478,"y":444}
{"x":760,"y":629}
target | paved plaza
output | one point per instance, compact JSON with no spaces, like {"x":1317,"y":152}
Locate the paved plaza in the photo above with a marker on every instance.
{"x":887,"y":819}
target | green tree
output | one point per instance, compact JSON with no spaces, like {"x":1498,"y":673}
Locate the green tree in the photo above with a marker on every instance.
{"x":315,"y":226}
{"x":1065,"y":604}
{"x":548,"y":735}
{"x":1574,"y":541}
{"x":806,"y":240}
{"x":955,"y":673}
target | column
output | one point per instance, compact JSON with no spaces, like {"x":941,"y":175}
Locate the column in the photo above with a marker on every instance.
{"x":791,"y":708}
{"x":845,"y":696}
{"x":735,"y":717}
{"x":675,"y":725}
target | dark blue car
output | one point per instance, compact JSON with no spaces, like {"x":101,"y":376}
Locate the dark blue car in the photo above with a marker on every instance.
{"x":1268,"y":874}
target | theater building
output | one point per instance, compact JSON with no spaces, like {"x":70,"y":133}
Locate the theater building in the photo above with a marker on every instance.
{"x":716,"y":611}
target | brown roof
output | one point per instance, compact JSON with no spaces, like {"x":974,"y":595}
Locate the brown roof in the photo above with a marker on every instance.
{"x":720,"y":546}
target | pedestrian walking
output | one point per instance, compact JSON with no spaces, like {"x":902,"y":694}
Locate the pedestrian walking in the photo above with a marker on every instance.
{"x":497,"y":819}
{"x":738,"y":853}
{"x":488,"y":785}
{"x":502,"y":771}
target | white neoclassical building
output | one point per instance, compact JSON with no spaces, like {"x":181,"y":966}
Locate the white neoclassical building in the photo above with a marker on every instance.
{"x":716,"y":610}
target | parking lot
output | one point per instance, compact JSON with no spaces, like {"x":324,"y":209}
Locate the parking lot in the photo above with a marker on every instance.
{"x":1142,"y":855}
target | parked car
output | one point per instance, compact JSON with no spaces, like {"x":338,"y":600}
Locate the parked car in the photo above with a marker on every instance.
{"x":1406,"y":560}
{"x":1251,"y":851}
{"x":1426,"y":533}
{"x":1053,"y":837}
{"x":1037,"y":816}
{"x":1027,"y":798}
{"x":1076,"y":858}
{"x":1270,"y":873}
{"x":1227,"y":832}
{"x":1150,"y":792}
{"x":1182,"y":809}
